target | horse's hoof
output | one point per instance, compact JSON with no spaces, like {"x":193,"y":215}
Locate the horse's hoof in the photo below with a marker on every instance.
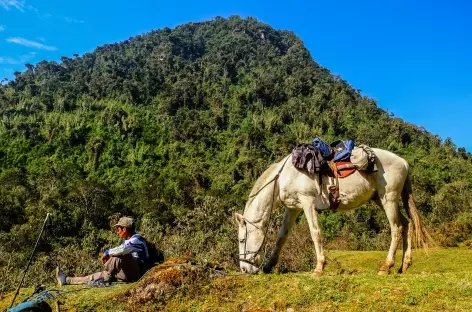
{"x":405,"y":267}
{"x":383,"y":272}
{"x":317,"y":273}
{"x":267,"y":269}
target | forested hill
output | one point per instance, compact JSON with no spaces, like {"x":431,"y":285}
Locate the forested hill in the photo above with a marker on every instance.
{"x":174,"y":126}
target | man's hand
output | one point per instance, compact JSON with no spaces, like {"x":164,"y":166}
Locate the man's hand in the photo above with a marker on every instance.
{"x":105,"y":258}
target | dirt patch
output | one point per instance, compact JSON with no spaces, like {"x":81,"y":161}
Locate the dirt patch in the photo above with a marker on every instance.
{"x":170,"y":277}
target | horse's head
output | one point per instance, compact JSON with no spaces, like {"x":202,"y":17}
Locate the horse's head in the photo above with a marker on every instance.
{"x":251,"y":238}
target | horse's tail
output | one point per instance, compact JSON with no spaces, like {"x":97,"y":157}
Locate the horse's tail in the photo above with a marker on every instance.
{"x":422,"y":237}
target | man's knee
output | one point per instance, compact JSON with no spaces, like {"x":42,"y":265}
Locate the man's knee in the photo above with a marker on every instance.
{"x":113,"y":265}
{"x":113,"y":260}
{"x":124,"y":268}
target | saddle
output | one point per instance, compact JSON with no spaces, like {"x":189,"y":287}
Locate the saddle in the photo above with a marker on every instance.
{"x":340,"y":159}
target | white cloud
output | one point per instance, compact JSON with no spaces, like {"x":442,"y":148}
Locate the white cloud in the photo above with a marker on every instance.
{"x":21,"y":6}
{"x":39,"y":14}
{"x":73,"y":20}
{"x":32,"y":44}
{"x":2,"y":27}
{"x":7,"y":4}
{"x":8,"y":60}
{"x":16,"y":61}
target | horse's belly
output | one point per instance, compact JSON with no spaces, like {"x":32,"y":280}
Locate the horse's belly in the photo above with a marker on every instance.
{"x":354,"y":191}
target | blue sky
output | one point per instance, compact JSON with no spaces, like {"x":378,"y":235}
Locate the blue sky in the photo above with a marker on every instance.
{"x":413,"y":57}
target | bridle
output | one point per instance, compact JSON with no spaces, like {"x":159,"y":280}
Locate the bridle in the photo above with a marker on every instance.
{"x":254,"y":254}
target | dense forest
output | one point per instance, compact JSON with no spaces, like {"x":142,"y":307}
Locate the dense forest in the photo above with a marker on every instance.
{"x":173,"y":127}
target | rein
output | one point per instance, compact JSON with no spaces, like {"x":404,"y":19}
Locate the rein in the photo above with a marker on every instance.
{"x":254,"y":253}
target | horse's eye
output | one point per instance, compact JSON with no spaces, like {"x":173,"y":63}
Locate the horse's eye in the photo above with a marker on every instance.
{"x":242,"y":240}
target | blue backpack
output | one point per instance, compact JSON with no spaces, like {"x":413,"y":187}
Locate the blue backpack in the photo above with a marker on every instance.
{"x":342,"y":149}
{"x":322,"y":146}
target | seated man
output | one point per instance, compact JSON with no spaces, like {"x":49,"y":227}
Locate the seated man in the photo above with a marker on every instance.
{"x":122,"y":263}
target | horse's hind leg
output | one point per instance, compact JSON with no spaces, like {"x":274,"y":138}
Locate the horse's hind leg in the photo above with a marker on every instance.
{"x":390,"y":206}
{"x":407,"y":233}
{"x":290,"y":215}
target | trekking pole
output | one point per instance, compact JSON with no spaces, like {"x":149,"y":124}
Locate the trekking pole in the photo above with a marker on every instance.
{"x":47,"y":222}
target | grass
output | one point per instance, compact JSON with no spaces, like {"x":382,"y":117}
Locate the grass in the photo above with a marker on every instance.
{"x":440,"y":280}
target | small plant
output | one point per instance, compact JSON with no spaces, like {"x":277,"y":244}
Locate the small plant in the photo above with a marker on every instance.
{"x":410,"y":301}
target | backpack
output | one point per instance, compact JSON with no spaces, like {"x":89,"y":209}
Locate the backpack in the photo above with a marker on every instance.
{"x":324,"y":148}
{"x":342,"y":149}
{"x":156,"y":256}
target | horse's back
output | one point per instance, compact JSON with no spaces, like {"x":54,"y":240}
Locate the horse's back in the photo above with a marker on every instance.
{"x":392,"y":171}
{"x":389,"y":159}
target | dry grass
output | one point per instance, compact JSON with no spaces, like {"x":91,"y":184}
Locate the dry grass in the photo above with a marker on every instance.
{"x":165,"y":280}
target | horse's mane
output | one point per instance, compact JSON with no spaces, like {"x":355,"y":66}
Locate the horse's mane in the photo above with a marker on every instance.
{"x":264,"y":178}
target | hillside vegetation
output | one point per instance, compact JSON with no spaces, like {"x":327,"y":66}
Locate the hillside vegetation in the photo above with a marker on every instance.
{"x":173,"y":127}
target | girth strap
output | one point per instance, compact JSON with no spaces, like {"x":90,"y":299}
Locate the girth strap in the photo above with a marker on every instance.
{"x":334,"y":189}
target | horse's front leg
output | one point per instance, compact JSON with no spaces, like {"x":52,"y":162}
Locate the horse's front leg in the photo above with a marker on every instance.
{"x":308,"y":204}
{"x":290,"y":215}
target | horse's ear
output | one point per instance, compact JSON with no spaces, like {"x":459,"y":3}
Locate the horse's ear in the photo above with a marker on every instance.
{"x":238,"y":219}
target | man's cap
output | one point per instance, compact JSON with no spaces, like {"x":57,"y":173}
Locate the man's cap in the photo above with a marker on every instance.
{"x":127,"y":222}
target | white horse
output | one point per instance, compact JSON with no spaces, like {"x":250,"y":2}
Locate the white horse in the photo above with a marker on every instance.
{"x":284,"y":185}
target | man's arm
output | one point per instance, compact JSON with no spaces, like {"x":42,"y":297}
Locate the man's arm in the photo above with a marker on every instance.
{"x":123,"y":249}
{"x":129,"y":246}
{"x":117,"y":251}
